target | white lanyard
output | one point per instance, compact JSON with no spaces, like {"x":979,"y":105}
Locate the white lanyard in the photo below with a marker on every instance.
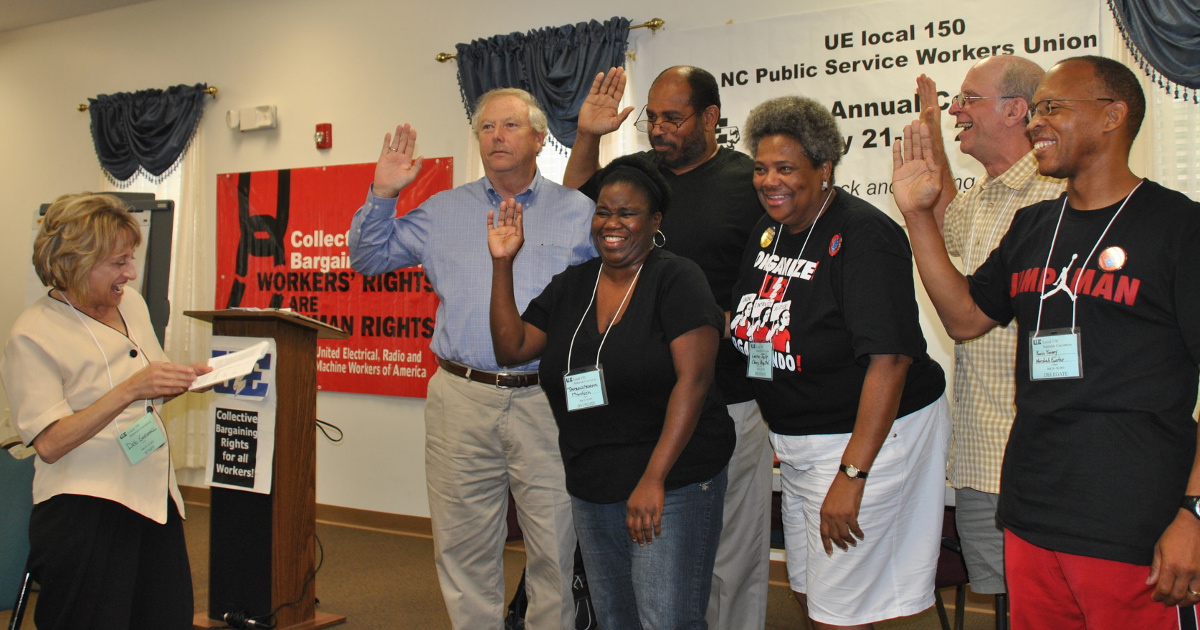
{"x":760,"y":354}
{"x":129,"y":334}
{"x":1062,"y":280}
{"x":804,"y":246}
{"x":608,"y":328}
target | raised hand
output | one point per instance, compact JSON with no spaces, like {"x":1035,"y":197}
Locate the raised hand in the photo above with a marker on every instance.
{"x":598,"y":115}
{"x":506,"y":234}
{"x":931,"y":114}
{"x":916,"y":174}
{"x":396,"y":168}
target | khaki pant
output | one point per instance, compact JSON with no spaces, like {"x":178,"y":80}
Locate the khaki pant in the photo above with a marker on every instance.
{"x":738,"y":599}
{"x":480,"y":442}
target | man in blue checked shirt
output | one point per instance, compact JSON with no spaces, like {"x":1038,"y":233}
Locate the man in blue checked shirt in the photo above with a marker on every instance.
{"x":488,"y":427}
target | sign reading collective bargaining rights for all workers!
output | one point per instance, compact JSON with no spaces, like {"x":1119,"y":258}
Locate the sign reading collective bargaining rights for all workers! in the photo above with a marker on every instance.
{"x":281,"y":243}
{"x":242,"y":431}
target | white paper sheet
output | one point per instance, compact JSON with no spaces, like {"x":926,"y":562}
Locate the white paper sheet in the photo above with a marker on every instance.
{"x":230,"y":366}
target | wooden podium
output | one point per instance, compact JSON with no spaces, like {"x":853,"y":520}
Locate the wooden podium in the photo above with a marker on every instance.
{"x":261,"y":546}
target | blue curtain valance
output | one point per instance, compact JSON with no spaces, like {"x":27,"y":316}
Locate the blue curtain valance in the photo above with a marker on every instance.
{"x":554,"y":64}
{"x":147,"y":130}
{"x":1164,"y":37}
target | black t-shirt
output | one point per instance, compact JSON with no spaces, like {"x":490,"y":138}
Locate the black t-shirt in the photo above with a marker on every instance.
{"x":713,"y":208}
{"x":848,"y":295}
{"x":1097,"y":466}
{"x":606,"y":449}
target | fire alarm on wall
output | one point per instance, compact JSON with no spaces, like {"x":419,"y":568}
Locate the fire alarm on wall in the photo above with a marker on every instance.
{"x":324,"y":135}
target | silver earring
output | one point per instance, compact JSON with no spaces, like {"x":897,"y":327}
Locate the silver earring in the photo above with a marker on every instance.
{"x":654,"y":239}
{"x":824,"y":185}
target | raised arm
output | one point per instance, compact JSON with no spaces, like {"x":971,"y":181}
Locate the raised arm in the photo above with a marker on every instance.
{"x":917,"y":183}
{"x":694,"y":355}
{"x":597,"y":116}
{"x":396,"y":168}
{"x":931,"y":115}
{"x":514,"y":340}
{"x":378,"y":241}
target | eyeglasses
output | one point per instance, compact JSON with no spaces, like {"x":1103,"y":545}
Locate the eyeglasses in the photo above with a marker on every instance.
{"x":1046,"y":107}
{"x":961,"y":100}
{"x":670,"y":125}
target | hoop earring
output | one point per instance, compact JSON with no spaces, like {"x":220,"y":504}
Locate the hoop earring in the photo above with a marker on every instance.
{"x":824,"y":185}
{"x":654,"y":239}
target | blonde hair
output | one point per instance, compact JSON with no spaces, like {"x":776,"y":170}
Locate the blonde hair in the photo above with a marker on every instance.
{"x":78,"y":232}
{"x":537,"y":117}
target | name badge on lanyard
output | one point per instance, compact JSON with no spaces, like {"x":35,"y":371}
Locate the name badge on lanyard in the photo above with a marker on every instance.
{"x":760,"y":355}
{"x":1055,"y":354}
{"x":758,"y":360}
{"x":585,"y":387}
{"x":141,"y":438}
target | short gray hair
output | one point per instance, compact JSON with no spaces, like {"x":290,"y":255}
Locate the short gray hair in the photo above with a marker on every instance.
{"x":802,"y":119}
{"x":537,"y":117}
{"x":1020,"y":77}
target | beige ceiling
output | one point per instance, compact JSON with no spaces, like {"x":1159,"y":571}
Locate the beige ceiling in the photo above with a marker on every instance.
{"x":21,"y":13}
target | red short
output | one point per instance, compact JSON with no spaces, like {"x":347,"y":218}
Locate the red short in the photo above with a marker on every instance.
{"x":1050,"y":590}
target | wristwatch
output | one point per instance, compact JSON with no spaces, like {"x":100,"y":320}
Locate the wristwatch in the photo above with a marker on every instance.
{"x":853,"y":472}
{"x":1192,"y":504}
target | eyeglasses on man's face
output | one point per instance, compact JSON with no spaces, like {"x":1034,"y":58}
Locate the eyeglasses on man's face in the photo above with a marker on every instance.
{"x":1047,"y":106}
{"x":961,"y":100}
{"x":666,"y":125}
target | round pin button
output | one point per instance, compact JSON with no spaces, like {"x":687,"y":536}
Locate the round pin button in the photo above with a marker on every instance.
{"x":1112,"y":259}
{"x":133,"y":354}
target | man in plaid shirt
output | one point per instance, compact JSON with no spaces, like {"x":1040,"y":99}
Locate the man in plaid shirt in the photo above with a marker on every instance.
{"x":990,"y":112}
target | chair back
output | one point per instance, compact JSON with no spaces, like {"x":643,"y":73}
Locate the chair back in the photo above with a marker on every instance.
{"x":951,"y":567}
{"x":16,"y":502}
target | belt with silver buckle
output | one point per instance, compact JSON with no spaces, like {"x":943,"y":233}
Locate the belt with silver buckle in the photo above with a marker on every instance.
{"x":498,"y":379}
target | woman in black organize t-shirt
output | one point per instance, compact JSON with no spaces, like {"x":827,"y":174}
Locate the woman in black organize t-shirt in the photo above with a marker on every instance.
{"x":826,"y":314}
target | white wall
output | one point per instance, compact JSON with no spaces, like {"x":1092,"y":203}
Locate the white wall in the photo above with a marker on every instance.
{"x":363,"y":65}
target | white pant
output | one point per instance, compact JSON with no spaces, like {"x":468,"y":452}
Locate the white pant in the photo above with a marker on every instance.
{"x":890,"y":572}
{"x":480,"y":442}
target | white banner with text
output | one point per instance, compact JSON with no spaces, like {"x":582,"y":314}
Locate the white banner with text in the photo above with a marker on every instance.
{"x":862,"y":62}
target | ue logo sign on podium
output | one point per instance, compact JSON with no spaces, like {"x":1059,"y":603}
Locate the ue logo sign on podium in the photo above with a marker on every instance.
{"x":251,"y":386}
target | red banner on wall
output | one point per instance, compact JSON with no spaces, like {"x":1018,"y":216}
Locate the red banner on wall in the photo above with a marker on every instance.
{"x":281,"y":243}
